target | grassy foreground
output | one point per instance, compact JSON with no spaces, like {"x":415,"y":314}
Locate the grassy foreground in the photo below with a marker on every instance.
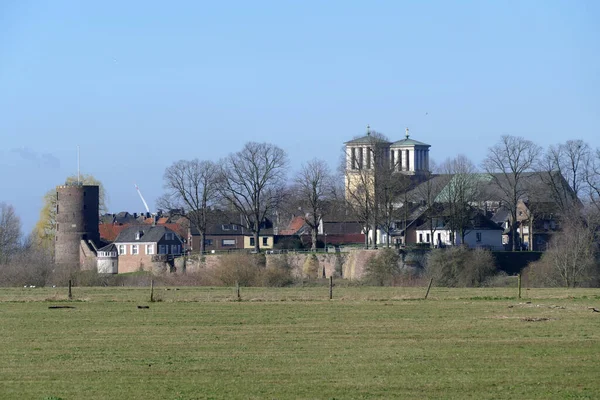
{"x":294,"y":343}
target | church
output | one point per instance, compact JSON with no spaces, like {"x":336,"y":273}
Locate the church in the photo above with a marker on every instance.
{"x":370,"y":159}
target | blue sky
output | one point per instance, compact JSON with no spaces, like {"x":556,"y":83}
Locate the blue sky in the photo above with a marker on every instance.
{"x":138,"y":85}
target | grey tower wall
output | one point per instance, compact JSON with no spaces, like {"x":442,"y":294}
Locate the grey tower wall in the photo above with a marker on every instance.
{"x":77,"y":218}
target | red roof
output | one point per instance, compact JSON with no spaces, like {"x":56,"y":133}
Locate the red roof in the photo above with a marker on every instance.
{"x":295,"y":225}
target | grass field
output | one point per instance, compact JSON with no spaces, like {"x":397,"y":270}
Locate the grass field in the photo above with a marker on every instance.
{"x":294,"y":343}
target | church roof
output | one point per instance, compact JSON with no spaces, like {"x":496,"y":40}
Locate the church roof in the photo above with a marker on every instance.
{"x":367,"y":139}
{"x":409,"y":142}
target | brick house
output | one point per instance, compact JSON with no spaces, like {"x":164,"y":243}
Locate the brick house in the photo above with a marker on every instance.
{"x":219,"y":237}
{"x":144,"y":247}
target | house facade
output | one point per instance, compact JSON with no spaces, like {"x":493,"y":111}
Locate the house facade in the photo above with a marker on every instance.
{"x":481,"y":232}
{"x":143,"y":247}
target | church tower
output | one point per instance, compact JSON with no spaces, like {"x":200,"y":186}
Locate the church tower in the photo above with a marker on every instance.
{"x":410,"y":156}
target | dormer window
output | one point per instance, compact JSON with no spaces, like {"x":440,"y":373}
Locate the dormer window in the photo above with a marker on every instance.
{"x":168,"y":236}
{"x":138,"y":235}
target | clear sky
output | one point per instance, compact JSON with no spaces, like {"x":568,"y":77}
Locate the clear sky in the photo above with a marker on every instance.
{"x":141,"y":84}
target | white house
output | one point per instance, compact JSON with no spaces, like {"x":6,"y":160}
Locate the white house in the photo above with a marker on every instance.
{"x":481,"y":232}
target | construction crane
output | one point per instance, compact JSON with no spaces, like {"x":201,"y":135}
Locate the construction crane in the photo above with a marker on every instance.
{"x":142,"y":197}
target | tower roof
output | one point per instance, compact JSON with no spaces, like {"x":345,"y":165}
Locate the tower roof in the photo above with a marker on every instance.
{"x":409,"y":142}
{"x":368,"y":139}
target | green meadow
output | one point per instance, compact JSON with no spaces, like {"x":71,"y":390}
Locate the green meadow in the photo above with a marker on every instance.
{"x":295,"y":343}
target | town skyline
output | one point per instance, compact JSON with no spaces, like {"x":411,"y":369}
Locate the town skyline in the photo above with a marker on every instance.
{"x":142,"y":88}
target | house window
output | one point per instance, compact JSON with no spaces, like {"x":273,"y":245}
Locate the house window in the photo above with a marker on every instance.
{"x":149,"y":249}
{"x":228,"y":242}
{"x":251,"y":241}
{"x":265,"y":241}
{"x":138,"y":235}
{"x":122,"y":250}
{"x":478,"y":235}
{"x":168,"y":236}
{"x":208,"y":242}
{"x":134,"y":249}
{"x":420,"y":238}
{"x":175,"y":249}
{"x":439,"y":239}
{"x":428,"y":238}
{"x":225,"y":227}
{"x":57,"y":226}
{"x":162,"y":249}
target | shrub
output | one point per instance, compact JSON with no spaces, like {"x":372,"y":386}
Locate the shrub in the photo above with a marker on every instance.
{"x":383,"y":269}
{"x":242,"y":268}
{"x":460,"y":266}
{"x":278,"y":273}
{"x":310,"y":269}
{"x":289,"y":243}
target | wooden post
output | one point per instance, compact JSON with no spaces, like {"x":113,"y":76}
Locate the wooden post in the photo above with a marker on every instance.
{"x":331,"y":287}
{"x":70,"y":292}
{"x":152,"y":291}
{"x":519,"y":280}
{"x":237,"y":291}
{"x":429,"y":287}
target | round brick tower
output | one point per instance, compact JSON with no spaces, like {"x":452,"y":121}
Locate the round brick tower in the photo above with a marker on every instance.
{"x":77,"y":218}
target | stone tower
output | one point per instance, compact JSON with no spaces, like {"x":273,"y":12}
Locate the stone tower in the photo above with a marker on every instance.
{"x":77,"y":218}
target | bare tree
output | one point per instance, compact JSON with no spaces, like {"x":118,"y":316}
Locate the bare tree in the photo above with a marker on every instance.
{"x":315,"y":190}
{"x":592,"y":180}
{"x":459,"y":194}
{"x":506,"y":163}
{"x":392,"y":186}
{"x":191,"y":186}
{"x":10,"y":232}
{"x":252,"y":182}
{"x":573,"y":252}
{"x":562,"y":170}
{"x":427,"y":194}
{"x":363,"y":179}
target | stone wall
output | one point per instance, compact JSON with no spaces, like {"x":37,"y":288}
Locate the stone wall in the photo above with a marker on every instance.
{"x":348,"y":265}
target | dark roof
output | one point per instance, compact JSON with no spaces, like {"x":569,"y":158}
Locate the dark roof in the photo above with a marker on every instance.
{"x":342,"y":227}
{"x":110,"y":247}
{"x":151,"y":234}
{"x":501,"y":215}
{"x":229,"y":229}
{"x":478,"y":221}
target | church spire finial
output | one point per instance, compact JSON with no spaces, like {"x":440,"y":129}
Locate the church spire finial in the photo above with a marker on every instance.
{"x":407,"y":135}
{"x":368,"y":130}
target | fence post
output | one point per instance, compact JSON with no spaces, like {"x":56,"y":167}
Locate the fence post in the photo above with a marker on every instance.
{"x":70,"y":292}
{"x":237,"y":291}
{"x":151,"y":290}
{"x":519,"y":283}
{"x":331,"y":287}
{"x":428,"y":288}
